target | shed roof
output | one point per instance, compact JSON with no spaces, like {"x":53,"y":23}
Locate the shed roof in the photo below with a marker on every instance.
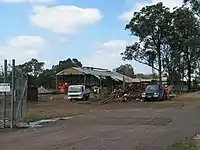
{"x":146,"y":80}
{"x":97,"y":72}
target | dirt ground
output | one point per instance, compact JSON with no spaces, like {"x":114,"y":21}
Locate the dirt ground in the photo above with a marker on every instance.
{"x":56,"y":106}
{"x":127,"y":126}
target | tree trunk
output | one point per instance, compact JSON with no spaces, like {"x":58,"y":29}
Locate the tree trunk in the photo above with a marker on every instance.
{"x":159,"y":65}
{"x":189,"y":68}
{"x":153,"y":70}
{"x":189,"y":75}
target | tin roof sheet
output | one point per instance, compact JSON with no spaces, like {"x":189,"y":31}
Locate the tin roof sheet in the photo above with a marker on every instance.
{"x":98,"y":72}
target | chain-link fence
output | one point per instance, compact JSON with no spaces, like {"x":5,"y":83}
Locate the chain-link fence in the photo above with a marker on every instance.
{"x":13,"y":104}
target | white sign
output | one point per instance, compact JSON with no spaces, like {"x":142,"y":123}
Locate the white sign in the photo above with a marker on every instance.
{"x":4,"y":87}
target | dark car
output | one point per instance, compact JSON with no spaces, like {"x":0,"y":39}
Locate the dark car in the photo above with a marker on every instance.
{"x":154,"y":92}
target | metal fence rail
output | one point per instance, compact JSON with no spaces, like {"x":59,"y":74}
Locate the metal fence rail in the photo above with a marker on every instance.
{"x":13,"y":104}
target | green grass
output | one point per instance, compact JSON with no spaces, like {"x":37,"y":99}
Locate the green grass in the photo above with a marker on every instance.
{"x":32,"y":119}
{"x":186,"y":145}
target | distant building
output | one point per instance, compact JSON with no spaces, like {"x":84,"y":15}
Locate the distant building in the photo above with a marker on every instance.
{"x":90,"y":76}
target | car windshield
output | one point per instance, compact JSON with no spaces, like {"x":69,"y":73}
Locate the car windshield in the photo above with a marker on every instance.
{"x":152,"y":88}
{"x":75,"y":89}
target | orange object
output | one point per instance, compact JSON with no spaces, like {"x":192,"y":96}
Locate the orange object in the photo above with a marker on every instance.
{"x":63,"y":87}
{"x":167,"y":90}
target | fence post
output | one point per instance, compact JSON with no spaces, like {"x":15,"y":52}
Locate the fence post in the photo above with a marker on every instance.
{"x":4,"y":100}
{"x":13,"y":94}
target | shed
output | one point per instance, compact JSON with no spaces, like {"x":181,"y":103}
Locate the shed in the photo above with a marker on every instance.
{"x":93,"y":76}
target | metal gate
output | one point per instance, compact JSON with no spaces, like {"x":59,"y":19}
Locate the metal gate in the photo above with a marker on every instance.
{"x":13,"y":104}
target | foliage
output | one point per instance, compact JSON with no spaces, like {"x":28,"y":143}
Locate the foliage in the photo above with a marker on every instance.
{"x":168,"y":41}
{"x":188,"y":28}
{"x":46,"y":77}
{"x":67,"y":64}
{"x":32,"y":67}
{"x":146,"y":76}
{"x":126,"y":69}
{"x":151,"y":25}
{"x":195,"y":5}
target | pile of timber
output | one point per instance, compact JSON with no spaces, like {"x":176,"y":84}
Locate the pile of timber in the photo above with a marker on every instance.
{"x":129,"y":92}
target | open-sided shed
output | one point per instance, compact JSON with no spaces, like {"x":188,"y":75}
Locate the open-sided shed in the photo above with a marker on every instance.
{"x":90,"y":76}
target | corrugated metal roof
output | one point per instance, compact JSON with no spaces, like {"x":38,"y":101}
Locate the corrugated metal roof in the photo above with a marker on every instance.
{"x":145,"y":80}
{"x":69,"y":71}
{"x":98,"y":72}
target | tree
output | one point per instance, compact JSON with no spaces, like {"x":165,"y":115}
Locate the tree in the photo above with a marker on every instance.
{"x":126,"y":69}
{"x":195,"y":5}
{"x":187,"y":28}
{"x":48,"y":77}
{"x":168,"y":41}
{"x":68,"y":63}
{"x":32,"y":67}
{"x":151,"y":25}
{"x":151,"y":58}
{"x":146,"y":76}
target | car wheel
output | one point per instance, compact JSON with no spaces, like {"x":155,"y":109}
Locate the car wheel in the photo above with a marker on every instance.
{"x":162,"y":97}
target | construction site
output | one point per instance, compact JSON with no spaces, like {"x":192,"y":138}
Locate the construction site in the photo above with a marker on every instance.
{"x":113,"y":115}
{"x":100,"y":75}
{"x":102,"y":86}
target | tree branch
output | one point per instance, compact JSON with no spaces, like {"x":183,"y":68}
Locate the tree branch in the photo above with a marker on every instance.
{"x":145,"y":64}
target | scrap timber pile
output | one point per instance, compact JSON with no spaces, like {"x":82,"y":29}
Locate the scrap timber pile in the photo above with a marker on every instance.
{"x":130,"y":92}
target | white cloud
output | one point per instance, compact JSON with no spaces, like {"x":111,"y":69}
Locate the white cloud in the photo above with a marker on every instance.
{"x":64,"y":19}
{"x":24,"y":1}
{"x":107,"y":55}
{"x":169,"y":3}
{"x":22,"y":48}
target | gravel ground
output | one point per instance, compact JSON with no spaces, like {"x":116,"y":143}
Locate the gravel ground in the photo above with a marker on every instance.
{"x":110,"y":129}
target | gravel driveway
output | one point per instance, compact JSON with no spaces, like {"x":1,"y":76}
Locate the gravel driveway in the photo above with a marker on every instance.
{"x":117,"y":129}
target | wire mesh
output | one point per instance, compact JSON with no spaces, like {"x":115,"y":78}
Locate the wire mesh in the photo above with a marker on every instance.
{"x":20,"y":104}
{"x":5,"y":99}
{"x":13,"y":104}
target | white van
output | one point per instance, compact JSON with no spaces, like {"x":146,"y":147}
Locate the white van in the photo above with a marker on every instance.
{"x":78,"y":92}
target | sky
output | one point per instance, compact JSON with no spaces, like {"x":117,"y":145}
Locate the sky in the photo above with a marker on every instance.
{"x":54,"y":30}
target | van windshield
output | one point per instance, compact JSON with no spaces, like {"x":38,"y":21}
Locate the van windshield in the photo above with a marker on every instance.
{"x":75,"y":89}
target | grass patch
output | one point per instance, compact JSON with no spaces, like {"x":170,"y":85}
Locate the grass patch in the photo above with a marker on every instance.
{"x":186,"y":145}
{"x":32,"y":119}
{"x":162,"y":105}
{"x":167,"y":105}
